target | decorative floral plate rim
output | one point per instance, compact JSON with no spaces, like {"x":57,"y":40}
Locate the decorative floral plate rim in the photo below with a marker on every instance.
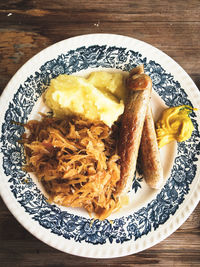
{"x":75,"y":234}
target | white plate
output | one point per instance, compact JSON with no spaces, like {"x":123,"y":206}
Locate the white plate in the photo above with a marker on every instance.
{"x":151,"y":215}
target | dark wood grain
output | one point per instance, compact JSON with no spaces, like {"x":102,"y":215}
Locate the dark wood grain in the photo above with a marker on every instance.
{"x":26,"y":27}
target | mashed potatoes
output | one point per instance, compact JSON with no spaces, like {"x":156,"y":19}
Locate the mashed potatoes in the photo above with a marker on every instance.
{"x":98,"y":97}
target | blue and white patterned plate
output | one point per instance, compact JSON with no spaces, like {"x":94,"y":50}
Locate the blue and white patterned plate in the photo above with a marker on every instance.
{"x":151,"y":215}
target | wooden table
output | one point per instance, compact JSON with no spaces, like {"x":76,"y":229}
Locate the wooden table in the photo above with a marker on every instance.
{"x":29,"y":26}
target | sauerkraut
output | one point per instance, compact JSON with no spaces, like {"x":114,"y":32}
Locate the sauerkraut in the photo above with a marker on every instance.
{"x":76,"y":161}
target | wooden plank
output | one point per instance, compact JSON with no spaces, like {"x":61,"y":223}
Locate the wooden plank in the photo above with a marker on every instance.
{"x":175,"y":40}
{"x":109,"y":10}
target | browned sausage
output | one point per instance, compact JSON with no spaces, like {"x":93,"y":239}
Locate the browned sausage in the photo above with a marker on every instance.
{"x":139,"y":86}
{"x":149,"y":153}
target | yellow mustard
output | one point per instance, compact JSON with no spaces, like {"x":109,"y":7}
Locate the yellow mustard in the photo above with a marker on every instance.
{"x":174,"y":124}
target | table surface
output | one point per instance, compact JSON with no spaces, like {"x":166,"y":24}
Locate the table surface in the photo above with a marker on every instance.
{"x":29,"y":26}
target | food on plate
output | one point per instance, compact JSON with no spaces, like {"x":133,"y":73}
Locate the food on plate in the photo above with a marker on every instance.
{"x":139,"y":87}
{"x":76,"y":161}
{"x":98,"y":97}
{"x":149,"y":155}
{"x":86,"y":154}
{"x":174,"y":124}
{"x":110,"y":82}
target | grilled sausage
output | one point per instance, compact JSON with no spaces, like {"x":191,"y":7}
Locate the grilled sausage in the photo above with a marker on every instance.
{"x":139,"y":86}
{"x":149,"y":156}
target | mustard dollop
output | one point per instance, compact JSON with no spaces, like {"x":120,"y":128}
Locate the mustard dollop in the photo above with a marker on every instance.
{"x":174,"y":124}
